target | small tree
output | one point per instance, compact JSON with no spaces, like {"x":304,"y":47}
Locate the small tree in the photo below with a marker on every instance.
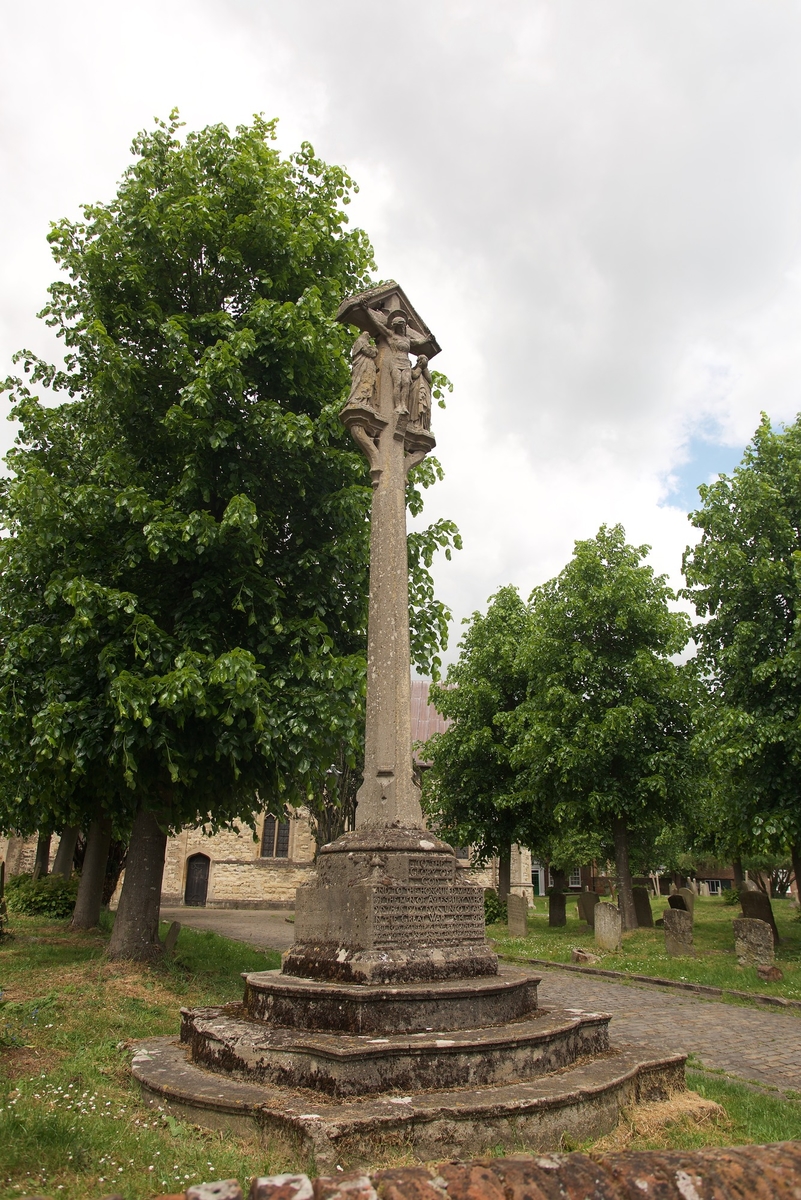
{"x":471,"y":792}
{"x":602,"y":738}
{"x":744,"y":576}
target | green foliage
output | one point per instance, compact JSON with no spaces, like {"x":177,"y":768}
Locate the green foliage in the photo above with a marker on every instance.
{"x":183,"y":587}
{"x":50,"y":896}
{"x":495,"y":909}
{"x":604,"y":730}
{"x":471,"y":791}
{"x":744,"y":577}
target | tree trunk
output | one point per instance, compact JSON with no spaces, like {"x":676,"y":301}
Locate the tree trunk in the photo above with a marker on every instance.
{"x":625,"y":894}
{"x":739,"y":874}
{"x":42,"y":862}
{"x":62,"y":864}
{"x":136,"y":926}
{"x":93,"y":874}
{"x":795,"y":858}
{"x":505,"y":872}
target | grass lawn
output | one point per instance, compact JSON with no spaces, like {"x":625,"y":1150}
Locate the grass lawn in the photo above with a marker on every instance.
{"x":643,"y":951}
{"x":72,"y":1123}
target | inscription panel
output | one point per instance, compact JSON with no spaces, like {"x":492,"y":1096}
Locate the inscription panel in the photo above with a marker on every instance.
{"x":423,"y":868}
{"x":409,"y":917}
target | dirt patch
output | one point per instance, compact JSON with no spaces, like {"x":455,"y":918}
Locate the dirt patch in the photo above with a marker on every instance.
{"x":656,"y":1122}
{"x":19,"y":1061}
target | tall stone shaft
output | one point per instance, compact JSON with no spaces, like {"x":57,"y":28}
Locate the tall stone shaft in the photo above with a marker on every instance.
{"x":388,"y":903}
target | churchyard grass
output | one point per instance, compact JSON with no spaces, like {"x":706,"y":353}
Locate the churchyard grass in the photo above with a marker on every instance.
{"x":72,"y":1122}
{"x":643,"y":951}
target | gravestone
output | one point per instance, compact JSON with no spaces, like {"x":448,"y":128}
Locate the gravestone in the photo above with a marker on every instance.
{"x":557,"y":912}
{"x":753,"y":942}
{"x":678,"y":933}
{"x":517,"y":915}
{"x":757,"y":907}
{"x":586,"y":907}
{"x":172,"y":937}
{"x":689,"y":898}
{"x":642,"y":907}
{"x":678,"y":903}
{"x":608,"y":927}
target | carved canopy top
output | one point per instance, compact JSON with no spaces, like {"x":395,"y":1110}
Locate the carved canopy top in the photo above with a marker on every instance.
{"x":387,"y":297}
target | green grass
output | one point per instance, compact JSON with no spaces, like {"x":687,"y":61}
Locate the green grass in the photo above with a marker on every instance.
{"x":72,"y":1122}
{"x":643,"y":950}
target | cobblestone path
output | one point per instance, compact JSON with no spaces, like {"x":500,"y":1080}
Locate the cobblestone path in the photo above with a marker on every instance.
{"x":758,"y":1044}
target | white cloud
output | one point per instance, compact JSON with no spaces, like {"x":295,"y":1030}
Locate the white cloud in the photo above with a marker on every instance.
{"x":595,"y":206}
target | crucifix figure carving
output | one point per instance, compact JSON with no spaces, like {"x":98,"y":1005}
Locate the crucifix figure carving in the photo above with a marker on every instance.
{"x":388,"y":414}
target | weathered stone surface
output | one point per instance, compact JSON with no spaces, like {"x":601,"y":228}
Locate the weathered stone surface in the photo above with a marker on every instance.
{"x":347,"y":1186}
{"x":608,"y":927}
{"x":517,"y":915}
{"x":582,"y":1101}
{"x":281,"y":1187}
{"x":678,"y":903}
{"x":345,"y":1065}
{"x":586,"y":907}
{"x":757,"y":907}
{"x":172,"y":937}
{"x":689,"y":898}
{"x":583,"y":956}
{"x":642,"y":907}
{"x":753,"y":942}
{"x":678,"y":933}
{"x":278,"y":999}
{"x":224,"y":1189}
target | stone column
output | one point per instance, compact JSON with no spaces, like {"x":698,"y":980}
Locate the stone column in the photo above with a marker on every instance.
{"x":387,"y":903}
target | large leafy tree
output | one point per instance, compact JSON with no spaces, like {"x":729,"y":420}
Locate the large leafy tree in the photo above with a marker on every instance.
{"x":744,"y":577}
{"x":602,"y":738}
{"x":184,"y":580}
{"x":471,"y":791}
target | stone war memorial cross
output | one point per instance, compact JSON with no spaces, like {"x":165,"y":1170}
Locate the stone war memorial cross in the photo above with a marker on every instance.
{"x":391,"y":1021}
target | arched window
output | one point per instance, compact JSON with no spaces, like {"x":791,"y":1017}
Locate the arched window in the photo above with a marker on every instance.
{"x":275,"y":838}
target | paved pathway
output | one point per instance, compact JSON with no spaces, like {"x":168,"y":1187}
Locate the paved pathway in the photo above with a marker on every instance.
{"x":268,"y":929}
{"x":762,"y":1045}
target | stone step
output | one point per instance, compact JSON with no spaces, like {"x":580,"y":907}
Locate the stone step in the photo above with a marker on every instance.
{"x":280,"y":999}
{"x":347,"y":1065}
{"x":582,"y":1102}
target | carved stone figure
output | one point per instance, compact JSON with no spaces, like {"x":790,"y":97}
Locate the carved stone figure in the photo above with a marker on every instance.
{"x":420,"y":407}
{"x":363,"y":371}
{"x":400,"y":340}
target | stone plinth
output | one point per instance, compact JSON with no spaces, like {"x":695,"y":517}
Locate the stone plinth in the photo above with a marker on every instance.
{"x":753,"y":942}
{"x":608,"y":927}
{"x":389,"y":905}
{"x":678,"y":933}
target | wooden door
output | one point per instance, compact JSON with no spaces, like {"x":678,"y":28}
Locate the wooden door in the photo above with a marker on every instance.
{"x":197,"y":880}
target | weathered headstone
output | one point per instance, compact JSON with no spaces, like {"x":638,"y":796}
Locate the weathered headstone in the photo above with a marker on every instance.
{"x":757,"y":907}
{"x":642,"y":907}
{"x":678,"y":903}
{"x":172,"y":937}
{"x":753,"y":942}
{"x":608,"y":927}
{"x":678,"y":933}
{"x":586,"y":907}
{"x":689,"y":899}
{"x":577,"y":955}
{"x":557,"y":912}
{"x":770,"y":974}
{"x":517,"y":915}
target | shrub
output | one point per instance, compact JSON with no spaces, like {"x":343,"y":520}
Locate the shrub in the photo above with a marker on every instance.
{"x":731,"y":896}
{"x":494,"y":907}
{"x":51,"y":896}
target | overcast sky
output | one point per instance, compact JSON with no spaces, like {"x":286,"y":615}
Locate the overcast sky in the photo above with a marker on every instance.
{"x":594,"y":204}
